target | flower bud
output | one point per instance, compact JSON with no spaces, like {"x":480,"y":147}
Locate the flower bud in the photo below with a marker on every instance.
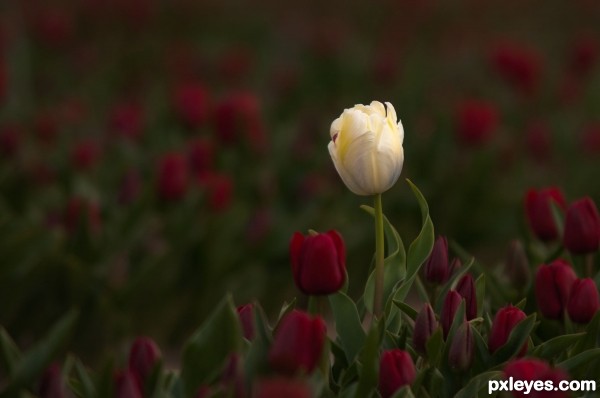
{"x":246,"y":315}
{"x":366,"y":148}
{"x":191,"y":104}
{"x":519,"y":66}
{"x":219,"y":190}
{"x":425,"y":325}
{"x":318,"y":262}
{"x":172,"y":177}
{"x":476,"y":122}
{"x":451,"y":304}
{"x":552,"y":287}
{"x":583,"y":301}
{"x":298,"y":343}
{"x":517,"y":265}
{"x":85,"y":154}
{"x":127,"y":120}
{"x":531,"y":370}
{"x":52,"y":384}
{"x":81,"y":213}
{"x":539,"y":213}
{"x":238,"y":117}
{"x":143,"y":357}
{"x":460,"y":355}
{"x":466,"y":288}
{"x":504,"y":322}
{"x":396,"y":369}
{"x":200,"y":156}
{"x":582,"y":227}
{"x":127,"y":385}
{"x":436,"y":266}
{"x":282,"y":387}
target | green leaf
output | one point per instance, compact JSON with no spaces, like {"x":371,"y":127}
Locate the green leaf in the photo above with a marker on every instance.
{"x":552,"y":348}
{"x":480,"y":292}
{"x":592,"y":336}
{"x":435,"y":347}
{"x":85,"y":383}
{"x":419,"y":249}
{"x":404,"y":392}
{"x":285,"y":308}
{"x":517,"y":338}
{"x":583,"y":360}
{"x":347,"y":324}
{"x":33,"y":363}
{"x":394,"y":264}
{"x":482,"y":353}
{"x":9,"y":351}
{"x":407,"y":309}
{"x":478,"y":384}
{"x":369,"y":360}
{"x":207,"y":350}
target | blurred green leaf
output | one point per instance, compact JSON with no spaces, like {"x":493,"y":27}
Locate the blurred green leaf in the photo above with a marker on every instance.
{"x":552,"y":348}
{"x":207,"y":350}
{"x":480,"y":292}
{"x":347,"y":324}
{"x":10,"y":352}
{"x":435,"y":347}
{"x":448,"y":285}
{"x":404,"y":392}
{"x":34,"y":361}
{"x":285,"y":308}
{"x":479,"y":384}
{"x":580,"y":361}
{"x":592,"y":336}
{"x":368,"y":369}
{"x":407,"y":309}
{"x":85,"y":385}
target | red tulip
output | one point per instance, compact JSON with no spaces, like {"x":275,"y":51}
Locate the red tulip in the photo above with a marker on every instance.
{"x":219,"y":188}
{"x":504,"y":322}
{"x":519,"y":66}
{"x":436,"y":267}
{"x":298,"y":343}
{"x":143,"y":357}
{"x":476,"y":122}
{"x":52,"y":384}
{"x":584,"y":55}
{"x":552,"y":288}
{"x":533,"y":370}
{"x":425,"y":325}
{"x":172,"y":176}
{"x":127,"y":120}
{"x":200,"y":156}
{"x":246,"y":315}
{"x":460,"y":355}
{"x":539,"y":213}
{"x":318,"y":262}
{"x":396,"y":369}
{"x":583,"y":301}
{"x":582,"y":227}
{"x":451,"y":304}
{"x":127,"y":385}
{"x":191,"y":103}
{"x":238,"y":117}
{"x":466,"y":288}
{"x":85,"y":154}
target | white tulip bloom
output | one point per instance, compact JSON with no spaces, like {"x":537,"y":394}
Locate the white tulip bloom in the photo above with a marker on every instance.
{"x":366,"y":148}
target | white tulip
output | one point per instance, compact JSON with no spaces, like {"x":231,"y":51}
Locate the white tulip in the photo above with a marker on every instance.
{"x":366,"y":148}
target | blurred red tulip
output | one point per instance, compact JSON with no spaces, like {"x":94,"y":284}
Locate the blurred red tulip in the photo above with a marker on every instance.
{"x":435,"y":269}
{"x":476,"y":122}
{"x":246,"y":314}
{"x":127,"y":385}
{"x":85,"y":154}
{"x":538,"y":140}
{"x":451,"y":304}
{"x":466,"y":288}
{"x":53,"y":26}
{"x":553,"y":284}
{"x":518,"y":65}
{"x":582,"y":227}
{"x":396,"y":369}
{"x":191,"y":104}
{"x":144,"y":355}
{"x":219,"y":189}
{"x":539,"y":213}
{"x":583,"y":301}
{"x":425,"y":325}
{"x":504,"y":322}
{"x":237,"y":117}
{"x":127,"y":120}
{"x":533,"y":369}
{"x":52,"y":384}
{"x":200,"y":156}
{"x":172,"y":177}
{"x":584,"y":54}
{"x":10,"y":140}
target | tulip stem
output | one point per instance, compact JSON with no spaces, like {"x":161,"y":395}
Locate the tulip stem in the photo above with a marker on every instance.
{"x":379,"y":258}
{"x":313,"y":305}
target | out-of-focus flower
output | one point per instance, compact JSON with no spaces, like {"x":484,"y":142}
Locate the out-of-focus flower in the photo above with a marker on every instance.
{"x":200,"y":156}
{"x":191,"y":104}
{"x":85,"y":154}
{"x":518,"y":65}
{"x":298,"y":343}
{"x":553,"y":284}
{"x":476,"y":122}
{"x":582,"y":227}
{"x":454,"y":266}
{"x":10,"y":140}
{"x":435,"y":269}
{"x":531,"y":370}
{"x":127,"y":385}
{"x":504,"y":322}
{"x":52,"y":384}
{"x":538,"y":140}
{"x":451,"y":304}
{"x":466,"y":288}
{"x":81,"y":212}
{"x":234,"y":64}
{"x":425,"y":325}
{"x":238,"y":117}
{"x":246,"y":314}
{"x":219,"y":189}
{"x":318,"y":262}
{"x":460,"y":355}
{"x":583,"y":301}
{"x":584,"y":54}
{"x":144,"y":356}
{"x":232,"y":378}
{"x":517,"y":265}
{"x":172,"y":176}
{"x":46,"y":126}
{"x":396,"y":369}
{"x":539,"y":214}
{"x":366,"y":147}
{"x":53,"y":26}
{"x":127,"y":120}
{"x":282,"y":387}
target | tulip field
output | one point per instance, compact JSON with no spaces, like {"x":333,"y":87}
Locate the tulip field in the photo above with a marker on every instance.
{"x":296,"y":199}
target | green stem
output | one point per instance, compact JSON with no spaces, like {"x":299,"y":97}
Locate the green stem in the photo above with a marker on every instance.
{"x":313,"y":305}
{"x":379,"y":257}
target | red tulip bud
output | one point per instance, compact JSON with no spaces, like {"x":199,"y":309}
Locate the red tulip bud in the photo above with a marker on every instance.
{"x":127,"y":385}
{"x":127,"y":120}
{"x":52,"y":384}
{"x":552,"y":288}
{"x":584,"y":301}
{"x":246,"y":314}
{"x":436,"y":266}
{"x":396,"y":369}
{"x":451,"y":304}
{"x":143,"y":357}
{"x":477,"y":121}
{"x":527,"y":369}
{"x":504,"y":322}
{"x":172,"y":176}
{"x":582,"y":227}
{"x":298,"y":343}
{"x":539,"y":213}
{"x":281,"y":387}
{"x":425,"y":325}
{"x":466,"y":288}
{"x":454,"y":266}
{"x":460,"y":355}
{"x":191,"y":104}
{"x":519,"y":66}
{"x":200,"y":156}
{"x":318,"y":262}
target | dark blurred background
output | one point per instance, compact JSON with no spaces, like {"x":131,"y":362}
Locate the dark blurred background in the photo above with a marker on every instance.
{"x":157,"y":154}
